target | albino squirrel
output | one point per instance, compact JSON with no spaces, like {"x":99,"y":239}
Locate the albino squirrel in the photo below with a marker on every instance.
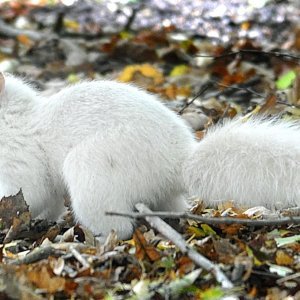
{"x":110,"y":145}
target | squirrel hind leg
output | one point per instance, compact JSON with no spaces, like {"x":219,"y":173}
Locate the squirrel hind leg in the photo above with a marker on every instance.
{"x":94,"y":190}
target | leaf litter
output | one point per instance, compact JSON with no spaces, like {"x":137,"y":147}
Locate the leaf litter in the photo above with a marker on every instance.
{"x":233,"y":51}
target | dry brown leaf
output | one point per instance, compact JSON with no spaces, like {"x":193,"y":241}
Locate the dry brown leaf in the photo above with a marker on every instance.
{"x":110,"y":46}
{"x":185,"y":265}
{"x":225,"y":250}
{"x":12,"y":206}
{"x":51,"y":234}
{"x":43,"y":278}
{"x":269,"y":104}
{"x":152,"y":38}
{"x":143,"y":248}
{"x":253,"y":293}
{"x":25,"y":40}
{"x":200,"y":134}
{"x":231,"y":229}
{"x":198,"y":207}
{"x":70,"y":287}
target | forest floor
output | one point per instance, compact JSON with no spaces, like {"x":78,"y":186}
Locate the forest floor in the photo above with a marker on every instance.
{"x":208,"y":60}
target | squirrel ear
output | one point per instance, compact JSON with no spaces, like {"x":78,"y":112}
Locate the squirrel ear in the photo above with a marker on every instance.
{"x":2,"y":82}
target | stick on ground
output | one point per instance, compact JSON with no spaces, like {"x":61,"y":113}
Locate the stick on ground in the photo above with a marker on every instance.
{"x":209,"y":220}
{"x":177,"y":239}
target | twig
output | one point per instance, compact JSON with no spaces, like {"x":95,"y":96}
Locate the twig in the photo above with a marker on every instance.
{"x":289,"y":277}
{"x":287,"y":104}
{"x":235,"y":87}
{"x":249,"y":90}
{"x":177,"y":239}
{"x":251,"y":51}
{"x":9,"y":31}
{"x":80,"y":258}
{"x":211,"y":83}
{"x":43,"y":252}
{"x":209,"y":220}
{"x":36,"y":255}
{"x":203,"y":89}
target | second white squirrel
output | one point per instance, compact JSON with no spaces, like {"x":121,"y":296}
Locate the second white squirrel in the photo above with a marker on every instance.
{"x":110,"y":145}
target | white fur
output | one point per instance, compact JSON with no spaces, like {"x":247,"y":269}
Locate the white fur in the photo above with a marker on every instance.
{"x":109,"y":145}
{"x":253,"y":163}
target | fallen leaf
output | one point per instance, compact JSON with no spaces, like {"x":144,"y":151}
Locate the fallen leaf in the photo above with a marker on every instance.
{"x":145,"y":70}
{"x":286,"y":80}
{"x":143,"y":248}
{"x":283,"y":259}
{"x":42,"y":278}
{"x":185,"y":265}
{"x":12,"y":206}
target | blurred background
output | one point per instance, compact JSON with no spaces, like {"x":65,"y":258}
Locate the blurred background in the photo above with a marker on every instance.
{"x":207,"y":59}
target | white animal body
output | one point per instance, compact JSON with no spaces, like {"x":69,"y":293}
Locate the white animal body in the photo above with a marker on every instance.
{"x":254,"y":163}
{"x":110,"y":145}
{"x":106,"y":144}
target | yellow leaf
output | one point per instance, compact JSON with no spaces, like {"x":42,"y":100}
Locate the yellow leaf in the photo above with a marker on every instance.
{"x":125,"y":35}
{"x":71,"y":24}
{"x":249,"y":251}
{"x":283,"y":259}
{"x":179,"y":70}
{"x":146,"y":70}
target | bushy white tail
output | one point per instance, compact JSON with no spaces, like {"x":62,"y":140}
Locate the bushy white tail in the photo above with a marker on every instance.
{"x":256,"y":162}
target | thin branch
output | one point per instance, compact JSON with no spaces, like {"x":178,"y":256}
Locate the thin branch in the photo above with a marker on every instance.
{"x":9,"y":31}
{"x":36,"y":255}
{"x":80,"y":258}
{"x":235,"y":87}
{"x":287,"y":104}
{"x":203,"y":89}
{"x":177,"y":239}
{"x":251,"y":51}
{"x":288,"y":278}
{"x":209,"y":220}
{"x":41,"y":252}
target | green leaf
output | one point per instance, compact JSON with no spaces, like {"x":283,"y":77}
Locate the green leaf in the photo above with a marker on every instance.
{"x":179,"y":285}
{"x":212,"y":294}
{"x":197,"y":232}
{"x":208,"y":230}
{"x":166,"y":262}
{"x":286,"y":80}
{"x":287,"y":240}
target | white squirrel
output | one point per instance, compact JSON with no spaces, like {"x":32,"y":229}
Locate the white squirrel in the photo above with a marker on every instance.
{"x":110,"y":145}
